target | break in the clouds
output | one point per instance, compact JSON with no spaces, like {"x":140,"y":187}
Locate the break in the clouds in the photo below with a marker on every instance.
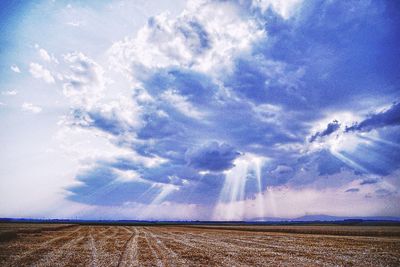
{"x":224,"y":110}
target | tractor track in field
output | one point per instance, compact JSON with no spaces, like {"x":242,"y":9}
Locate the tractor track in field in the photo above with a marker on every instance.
{"x":99,"y":245}
{"x":160,"y":262}
{"x":43,"y":247}
{"x":130,"y":250}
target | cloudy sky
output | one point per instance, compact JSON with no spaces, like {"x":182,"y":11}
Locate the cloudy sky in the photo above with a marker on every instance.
{"x":212,"y":110}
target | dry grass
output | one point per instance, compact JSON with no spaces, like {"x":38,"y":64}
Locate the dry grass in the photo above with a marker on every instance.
{"x":200,"y":246}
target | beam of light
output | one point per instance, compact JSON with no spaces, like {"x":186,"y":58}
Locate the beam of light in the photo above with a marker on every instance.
{"x":163,"y":190}
{"x":271,"y":200}
{"x":233,"y":189}
{"x":103,"y":190}
{"x":149,"y":191}
{"x":257,"y":165}
{"x":166,"y":189}
{"x":349,"y":162}
{"x":379,"y":140}
{"x":232,"y":195}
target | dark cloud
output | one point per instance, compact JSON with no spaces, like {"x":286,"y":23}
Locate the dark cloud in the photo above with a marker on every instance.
{"x":389,"y":117}
{"x":369,"y":181}
{"x":332,"y":127}
{"x":212,"y":157}
{"x":352,"y":190}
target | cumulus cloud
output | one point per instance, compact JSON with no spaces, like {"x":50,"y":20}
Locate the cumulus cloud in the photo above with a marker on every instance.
{"x":84,"y":85}
{"x":206,"y":36}
{"x":40,"y":72}
{"x":29,"y":107}
{"x":84,"y":81}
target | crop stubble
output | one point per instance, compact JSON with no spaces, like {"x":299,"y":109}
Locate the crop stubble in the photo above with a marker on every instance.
{"x":84,"y":245}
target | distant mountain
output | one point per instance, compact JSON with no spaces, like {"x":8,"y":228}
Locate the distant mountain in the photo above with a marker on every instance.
{"x":326,"y":218}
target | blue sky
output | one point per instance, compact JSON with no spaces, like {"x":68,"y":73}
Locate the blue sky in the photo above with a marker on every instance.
{"x":222,"y":110}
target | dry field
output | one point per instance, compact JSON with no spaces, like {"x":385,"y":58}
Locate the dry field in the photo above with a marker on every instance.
{"x":82,"y":245}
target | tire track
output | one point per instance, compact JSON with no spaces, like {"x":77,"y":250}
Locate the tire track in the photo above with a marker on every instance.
{"x":201,"y":247}
{"x":170,"y":257}
{"x":62,"y":253}
{"x":235,"y":245}
{"x":154,"y":252}
{"x":93,"y":249}
{"x":30,"y":255}
{"x":231,"y":253}
{"x":130,"y":250}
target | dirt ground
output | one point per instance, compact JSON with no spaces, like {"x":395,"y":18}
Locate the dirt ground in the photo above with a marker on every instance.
{"x":84,"y":245}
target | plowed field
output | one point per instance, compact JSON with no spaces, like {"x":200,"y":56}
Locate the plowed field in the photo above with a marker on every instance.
{"x":84,"y":245}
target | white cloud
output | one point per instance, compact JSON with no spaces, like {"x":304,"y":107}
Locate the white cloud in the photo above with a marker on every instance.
{"x":182,"y":104}
{"x":85,"y":87}
{"x":339,"y":140}
{"x":285,"y":8}
{"x":15,"y":68}
{"x":39,"y":72}
{"x":84,"y":82}
{"x":85,"y":146}
{"x":10,"y":93}
{"x":26,"y":106}
{"x":129,"y":176}
{"x":75,"y":23}
{"x":44,"y":55}
{"x":206,"y":36}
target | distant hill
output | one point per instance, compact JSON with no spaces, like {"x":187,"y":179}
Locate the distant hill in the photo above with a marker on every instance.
{"x":327,"y":218}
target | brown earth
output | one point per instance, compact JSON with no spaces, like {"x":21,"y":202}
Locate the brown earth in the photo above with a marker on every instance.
{"x":84,"y":245}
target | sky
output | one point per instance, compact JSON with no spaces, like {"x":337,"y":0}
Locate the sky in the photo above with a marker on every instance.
{"x":199,"y":109}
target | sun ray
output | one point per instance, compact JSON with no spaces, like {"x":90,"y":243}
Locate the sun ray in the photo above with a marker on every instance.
{"x":271,"y":199}
{"x":349,"y":162}
{"x":232,"y":195}
{"x":379,"y":140}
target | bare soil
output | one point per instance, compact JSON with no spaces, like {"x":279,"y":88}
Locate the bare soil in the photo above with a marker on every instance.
{"x":87,"y":245}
